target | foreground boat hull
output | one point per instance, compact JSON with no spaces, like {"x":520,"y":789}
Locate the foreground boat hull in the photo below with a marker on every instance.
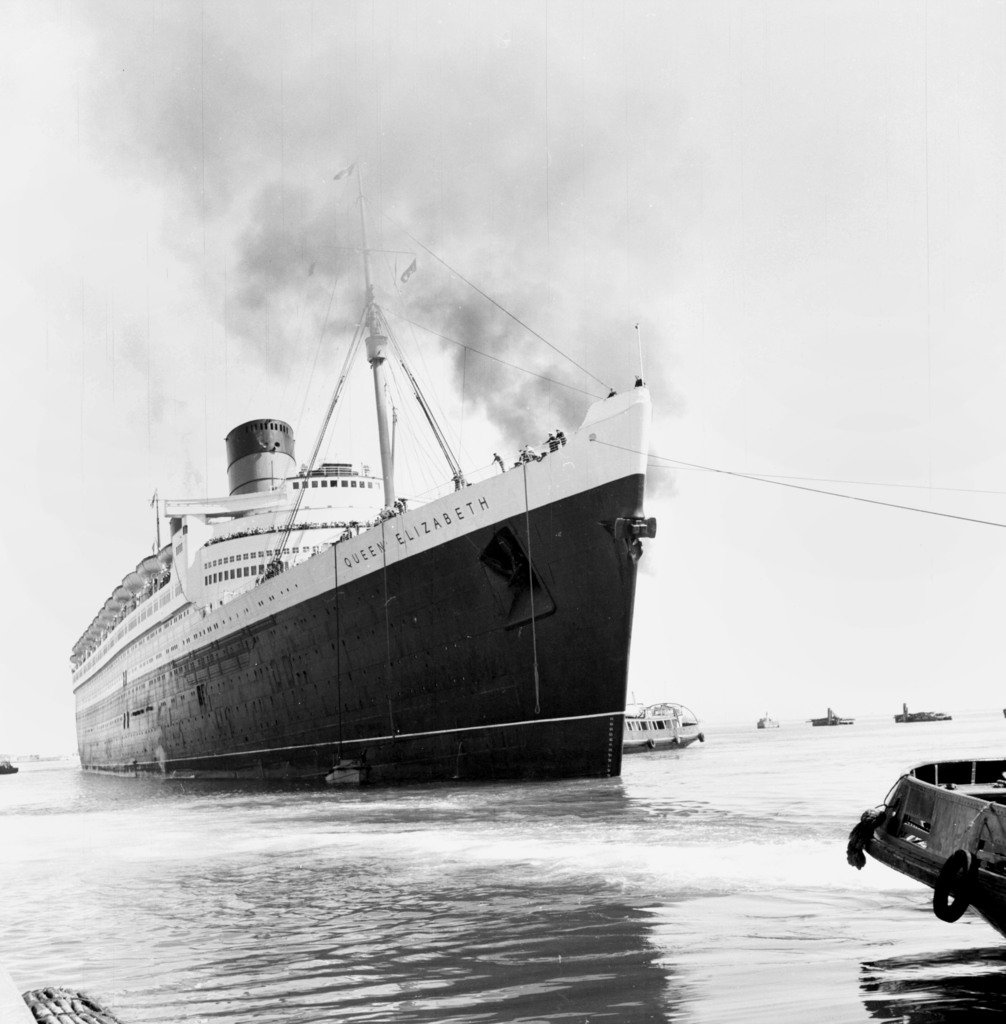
{"x":640,"y":746}
{"x":989,"y":891}
{"x":944,"y":825}
{"x":442,"y":665}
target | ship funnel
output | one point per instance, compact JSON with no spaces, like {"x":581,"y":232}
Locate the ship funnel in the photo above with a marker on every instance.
{"x":260,"y":456}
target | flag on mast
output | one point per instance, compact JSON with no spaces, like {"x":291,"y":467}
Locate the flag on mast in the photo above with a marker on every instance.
{"x":345,"y":172}
{"x":408,"y":271}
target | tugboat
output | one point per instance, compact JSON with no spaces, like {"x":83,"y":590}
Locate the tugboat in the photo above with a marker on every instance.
{"x":767,"y":723}
{"x":921,"y":716}
{"x":944,"y":824}
{"x":832,"y":719}
{"x":6,"y":768}
{"x":660,"y":725}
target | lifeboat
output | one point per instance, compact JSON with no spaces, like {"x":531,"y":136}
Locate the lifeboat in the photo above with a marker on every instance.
{"x":134,"y":582}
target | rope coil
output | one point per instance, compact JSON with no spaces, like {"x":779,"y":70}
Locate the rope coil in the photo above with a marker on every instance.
{"x":861,"y":834}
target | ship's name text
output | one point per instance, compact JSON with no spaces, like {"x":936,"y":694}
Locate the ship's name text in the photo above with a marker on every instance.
{"x":419,"y":529}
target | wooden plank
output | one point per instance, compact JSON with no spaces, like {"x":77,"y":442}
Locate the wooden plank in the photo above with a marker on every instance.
{"x":12,"y":1007}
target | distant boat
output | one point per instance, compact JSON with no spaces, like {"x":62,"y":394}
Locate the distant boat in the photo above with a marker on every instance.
{"x":6,"y":768}
{"x":832,"y":719}
{"x":921,"y":716}
{"x":660,"y":725}
{"x":767,"y":723}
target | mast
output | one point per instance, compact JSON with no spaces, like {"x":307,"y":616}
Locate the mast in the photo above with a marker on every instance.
{"x":377,"y":345}
{"x":154,"y":504}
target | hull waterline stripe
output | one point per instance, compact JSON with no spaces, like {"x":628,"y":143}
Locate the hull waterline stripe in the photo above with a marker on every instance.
{"x":384,"y":739}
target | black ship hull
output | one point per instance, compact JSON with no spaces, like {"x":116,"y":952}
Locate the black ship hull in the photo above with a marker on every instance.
{"x":470,"y":660}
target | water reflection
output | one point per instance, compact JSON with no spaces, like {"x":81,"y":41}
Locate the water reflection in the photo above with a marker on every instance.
{"x":248,"y":901}
{"x":958,"y":985}
{"x":465,"y":951}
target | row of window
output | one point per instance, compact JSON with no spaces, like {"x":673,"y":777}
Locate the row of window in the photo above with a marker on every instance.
{"x":267,"y":425}
{"x":241,"y":571}
{"x":236,"y":574}
{"x":260,"y":554}
{"x":649,"y":724}
{"x":323,"y":482}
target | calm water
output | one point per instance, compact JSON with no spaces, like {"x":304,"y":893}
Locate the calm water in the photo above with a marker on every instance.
{"x":709,"y":885}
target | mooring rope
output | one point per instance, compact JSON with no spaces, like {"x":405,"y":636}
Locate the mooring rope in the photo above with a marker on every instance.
{"x":387,"y":624}
{"x":530,"y":580}
{"x":338,"y":645}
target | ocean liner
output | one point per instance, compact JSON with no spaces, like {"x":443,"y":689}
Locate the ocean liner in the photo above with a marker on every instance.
{"x":313,"y":624}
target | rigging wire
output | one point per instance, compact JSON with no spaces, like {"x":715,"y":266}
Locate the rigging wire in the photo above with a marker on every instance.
{"x":438,"y":433}
{"x":801,"y":487}
{"x":490,"y":299}
{"x":486,"y":355}
{"x":276,"y":564}
{"x":881,"y":483}
{"x":423,"y":449}
{"x":430,"y":378}
{"x":317,"y":350}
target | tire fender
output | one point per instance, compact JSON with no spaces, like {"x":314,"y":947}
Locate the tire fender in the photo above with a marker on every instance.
{"x":954,"y":886}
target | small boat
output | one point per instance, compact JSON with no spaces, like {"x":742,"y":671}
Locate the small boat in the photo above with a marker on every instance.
{"x":944,"y":824}
{"x":6,"y":768}
{"x":346,"y":772}
{"x":767,"y":723}
{"x":660,"y":725}
{"x":832,"y":719}
{"x":921,"y":716}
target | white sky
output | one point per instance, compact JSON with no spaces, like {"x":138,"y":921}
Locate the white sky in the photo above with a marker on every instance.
{"x":801,"y":203}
